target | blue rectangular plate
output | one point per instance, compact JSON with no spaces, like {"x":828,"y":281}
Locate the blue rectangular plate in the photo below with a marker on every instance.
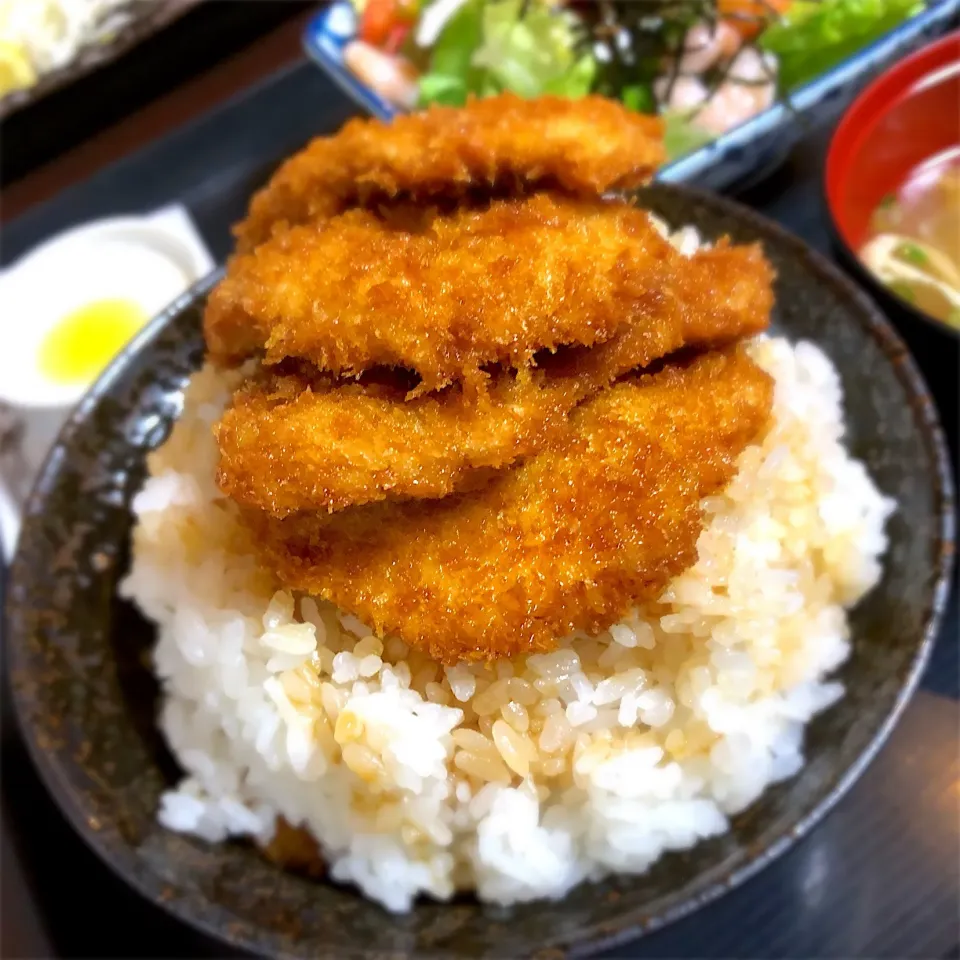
{"x":732,"y":161}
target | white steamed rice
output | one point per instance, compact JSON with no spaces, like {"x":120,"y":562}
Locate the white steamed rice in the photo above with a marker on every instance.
{"x":523,"y":778}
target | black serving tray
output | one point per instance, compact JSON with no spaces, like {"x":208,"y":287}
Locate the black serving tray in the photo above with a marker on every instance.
{"x":878,"y":878}
{"x":167,"y":43}
{"x":145,"y":20}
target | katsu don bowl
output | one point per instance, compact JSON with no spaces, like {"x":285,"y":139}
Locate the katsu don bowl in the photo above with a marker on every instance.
{"x":535,"y":644}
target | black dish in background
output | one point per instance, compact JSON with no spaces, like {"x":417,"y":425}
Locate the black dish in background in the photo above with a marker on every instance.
{"x":143,"y":23}
{"x":85,"y":700}
{"x":89,"y":100}
{"x":212,"y":165}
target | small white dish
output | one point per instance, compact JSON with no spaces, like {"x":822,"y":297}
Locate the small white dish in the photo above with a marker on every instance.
{"x":139,"y":264}
{"x":144,"y":261}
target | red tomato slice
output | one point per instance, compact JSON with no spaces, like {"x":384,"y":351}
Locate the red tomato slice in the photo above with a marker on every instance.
{"x":395,"y":38}
{"x":386,"y":23}
{"x":379,"y":18}
{"x":747,"y":16}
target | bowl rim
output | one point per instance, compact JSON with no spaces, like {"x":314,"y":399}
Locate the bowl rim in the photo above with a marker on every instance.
{"x":244,"y":935}
{"x":882,"y":93}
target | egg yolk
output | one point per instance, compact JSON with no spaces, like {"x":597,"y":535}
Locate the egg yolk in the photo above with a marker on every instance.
{"x":85,"y":341}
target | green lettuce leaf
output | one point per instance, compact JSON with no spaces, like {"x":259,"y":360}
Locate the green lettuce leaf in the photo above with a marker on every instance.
{"x":816,"y":35}
{"x":681,"y":135}
{"x":487,"y":48}
{"x":450,"y":76}
{"x":533,"y":54}
{"x":639,"y":97}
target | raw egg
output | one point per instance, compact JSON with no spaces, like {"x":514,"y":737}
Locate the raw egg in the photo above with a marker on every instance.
{"x":85,"y":341}
{"x":69,"y":307}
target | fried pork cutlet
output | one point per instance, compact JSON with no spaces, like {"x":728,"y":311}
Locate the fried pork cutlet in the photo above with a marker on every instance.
{"x":442,"y":299}
{"x":585,"y":146}
{"x":299,"y":443}
{"x":598,"y":521}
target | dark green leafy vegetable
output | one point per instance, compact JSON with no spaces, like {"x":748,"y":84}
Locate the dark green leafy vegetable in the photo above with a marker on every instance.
{"x":639,"y":97}
{"x":654,"y":32}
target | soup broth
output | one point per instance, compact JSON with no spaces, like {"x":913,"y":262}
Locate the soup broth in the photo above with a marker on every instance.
{"x":914,"y":245}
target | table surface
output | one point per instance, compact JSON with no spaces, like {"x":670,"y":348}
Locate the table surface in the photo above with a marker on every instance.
{"x":880,"y":877}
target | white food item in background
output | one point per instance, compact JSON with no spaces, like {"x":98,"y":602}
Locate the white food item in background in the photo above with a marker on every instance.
{"x":391,"y":77}
{"x":162,"y":254}
{"x":102,"y":269}
{"x":683,"y":95}
{"x":51,"y":32}
{"x":436,"y":16}
{"x":749,"y":89}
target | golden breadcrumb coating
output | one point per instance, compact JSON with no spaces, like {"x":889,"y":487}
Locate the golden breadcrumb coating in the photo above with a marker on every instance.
{"x":599,"y":520}
{"x":586,"y":146}
{"x":297,"y":445}
{"x":447,"y":434}
{"x":298,"y":442}
{"x":444,"y":298}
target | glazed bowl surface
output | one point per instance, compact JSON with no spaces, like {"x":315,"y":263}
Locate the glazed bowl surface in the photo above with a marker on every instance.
{"x":86,"y":701}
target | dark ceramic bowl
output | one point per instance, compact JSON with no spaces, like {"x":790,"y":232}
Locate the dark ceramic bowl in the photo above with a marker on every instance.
{"x":86,"y":702}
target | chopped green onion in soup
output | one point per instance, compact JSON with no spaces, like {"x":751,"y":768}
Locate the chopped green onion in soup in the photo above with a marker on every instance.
{"x":915,"y":244}
{"x":913,"y":253}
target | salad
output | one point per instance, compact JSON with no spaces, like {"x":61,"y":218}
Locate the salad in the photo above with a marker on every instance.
{"x":705,"y":65}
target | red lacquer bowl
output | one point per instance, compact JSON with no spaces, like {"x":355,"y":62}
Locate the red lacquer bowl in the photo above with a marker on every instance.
{"x":908,"y":115}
